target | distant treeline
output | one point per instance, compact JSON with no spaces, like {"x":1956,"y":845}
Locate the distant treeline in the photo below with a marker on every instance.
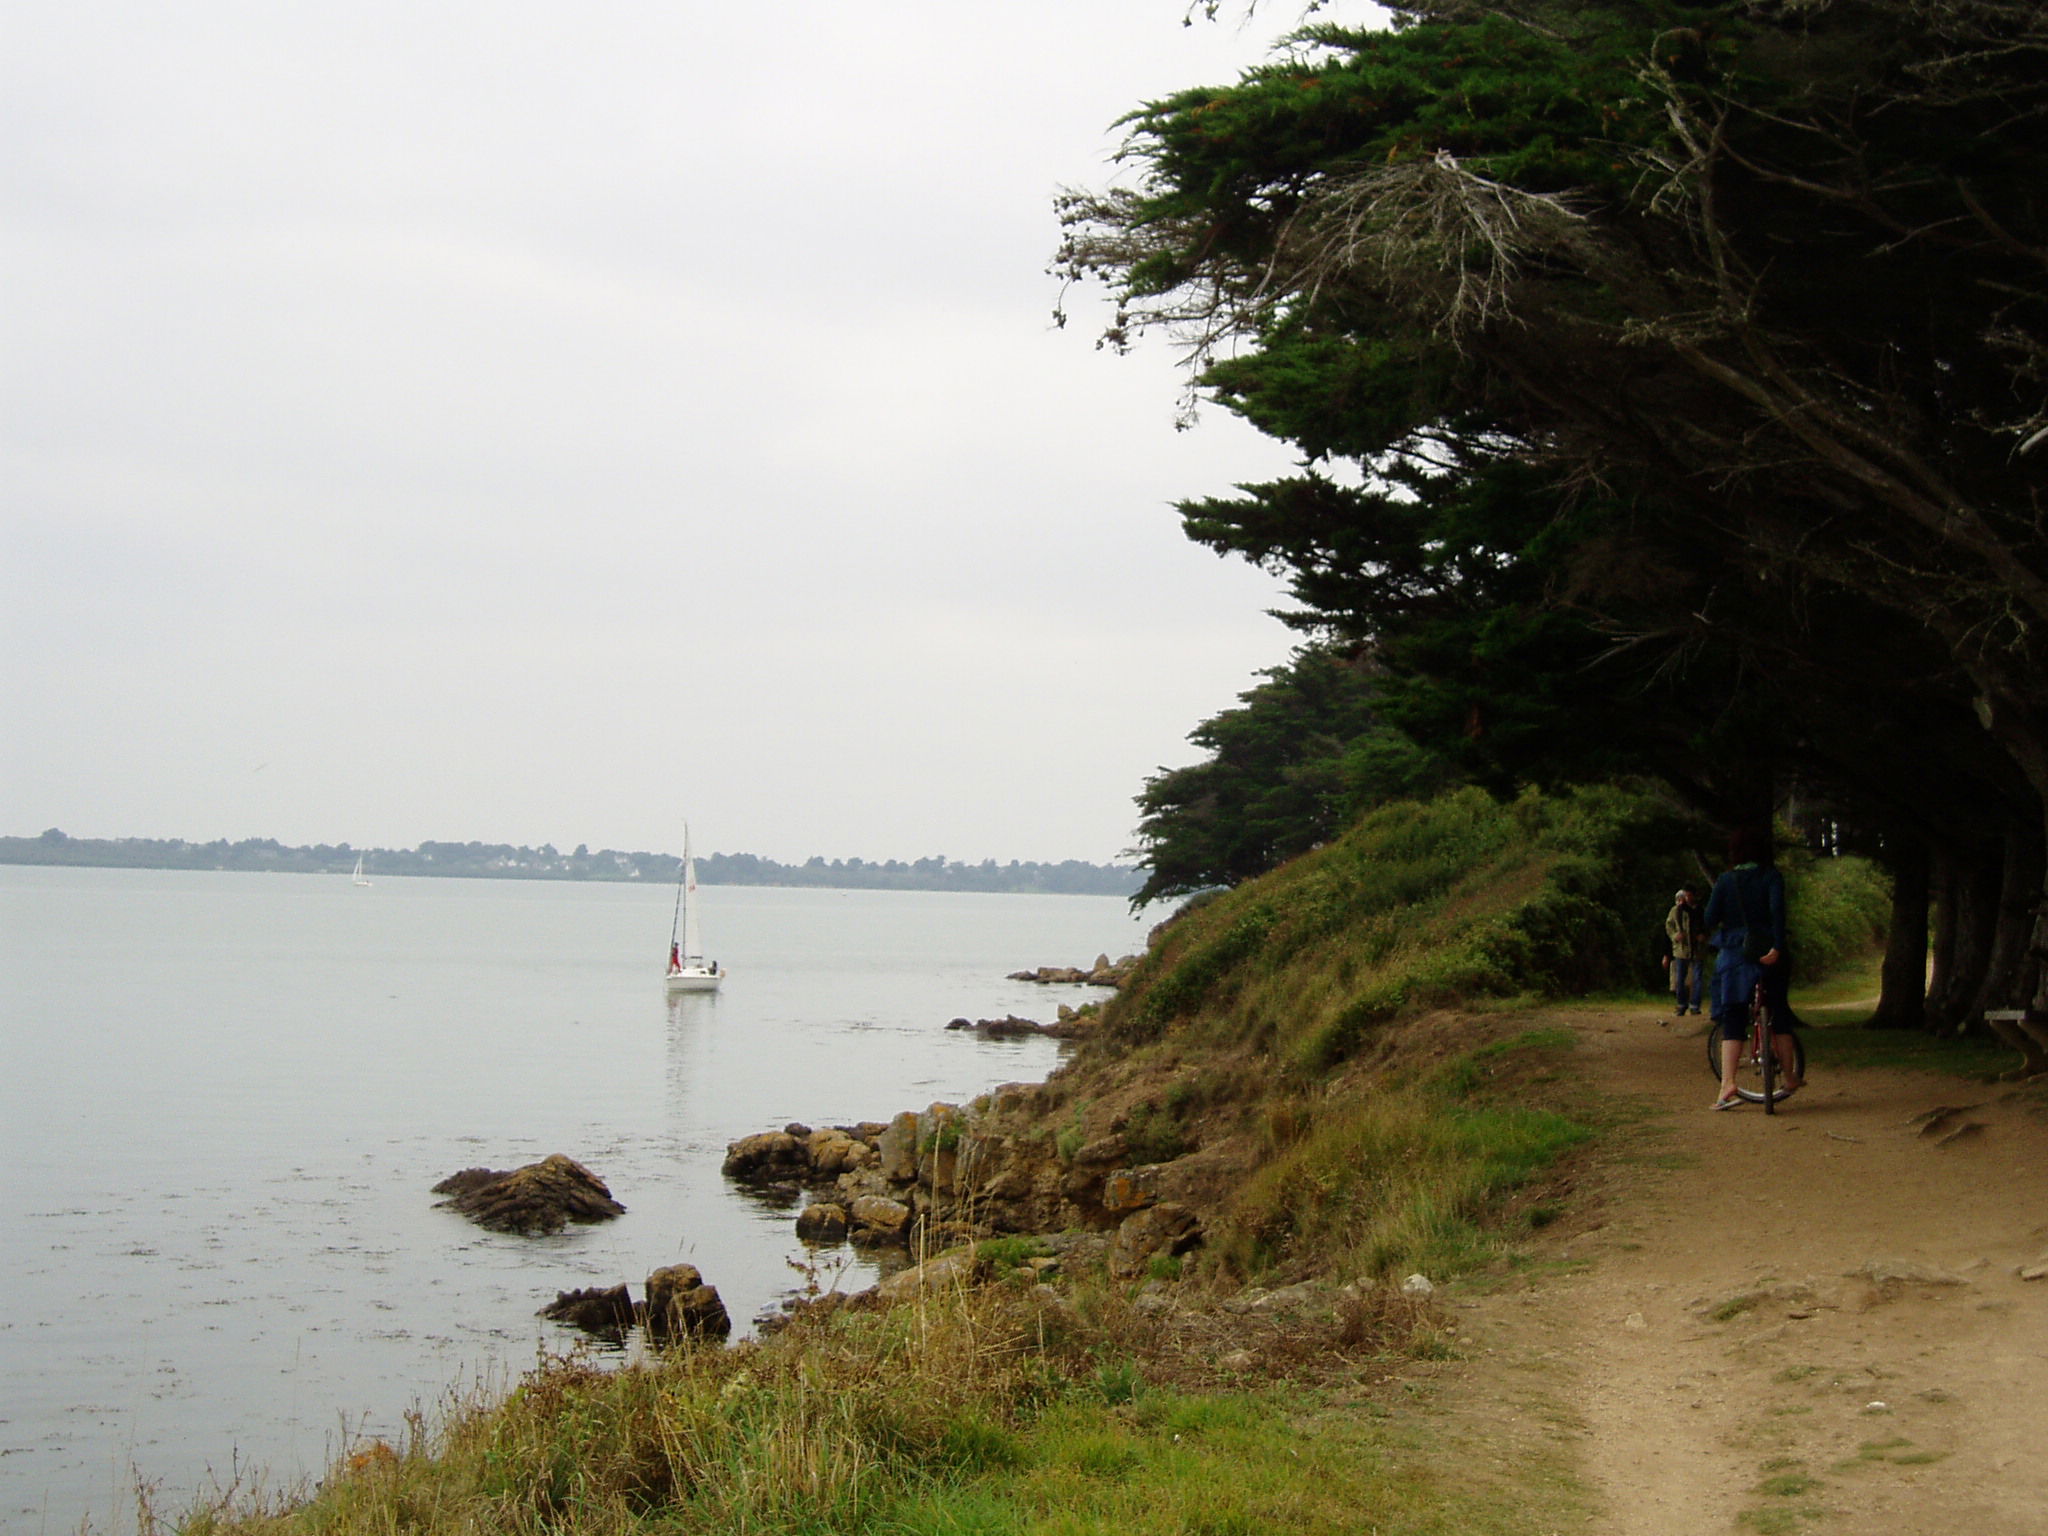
{"x":502,"y":861}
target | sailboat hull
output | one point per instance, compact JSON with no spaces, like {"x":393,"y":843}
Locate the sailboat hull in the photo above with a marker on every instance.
{"x":687,"y":971}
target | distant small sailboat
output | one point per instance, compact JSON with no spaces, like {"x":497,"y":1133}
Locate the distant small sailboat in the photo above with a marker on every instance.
{"x":687,"y":971}
{"x":359,"y":877}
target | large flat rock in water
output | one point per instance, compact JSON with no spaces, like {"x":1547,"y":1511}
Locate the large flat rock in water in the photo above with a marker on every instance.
{"x":538,"y":1199}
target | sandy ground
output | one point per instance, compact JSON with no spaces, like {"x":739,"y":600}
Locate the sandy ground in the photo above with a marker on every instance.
{"x":1808,"y":1321}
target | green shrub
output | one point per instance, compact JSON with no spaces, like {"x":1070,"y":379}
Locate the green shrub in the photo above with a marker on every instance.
{"x":1837,"y":911}
{"x":1419,"y":905}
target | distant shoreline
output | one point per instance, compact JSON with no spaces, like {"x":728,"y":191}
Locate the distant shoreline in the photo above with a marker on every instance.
{"x":503,"y":861}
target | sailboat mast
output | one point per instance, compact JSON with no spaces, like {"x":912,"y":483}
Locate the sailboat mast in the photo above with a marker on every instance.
{"x":693,"y":947}
{"x":682,"y":874}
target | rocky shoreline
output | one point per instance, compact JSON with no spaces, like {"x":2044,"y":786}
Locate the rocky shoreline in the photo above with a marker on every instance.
{"x":1104,"y":973}
{"x":930,"y":1181}
{"x":916,"y":1191}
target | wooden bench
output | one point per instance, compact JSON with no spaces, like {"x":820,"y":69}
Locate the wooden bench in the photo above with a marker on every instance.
{"x":2026,"y":1031}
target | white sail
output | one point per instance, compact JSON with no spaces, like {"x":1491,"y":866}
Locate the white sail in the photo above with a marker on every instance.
{"x":693,"y":942}
{"x":687,"y":971}
{"x":358,"y":876}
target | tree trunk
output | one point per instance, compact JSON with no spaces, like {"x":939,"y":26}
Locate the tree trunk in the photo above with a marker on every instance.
{"x":1967,"y":920}
{"x":2008,"y":980}
{"x":1943,"y":877}
{"x":1902,"y":990}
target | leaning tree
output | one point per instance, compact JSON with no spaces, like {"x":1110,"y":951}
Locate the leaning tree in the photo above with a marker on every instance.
{"x":1674,"y":385}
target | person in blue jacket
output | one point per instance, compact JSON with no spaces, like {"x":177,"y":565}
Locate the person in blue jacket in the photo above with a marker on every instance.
{"x":1745,"y":918}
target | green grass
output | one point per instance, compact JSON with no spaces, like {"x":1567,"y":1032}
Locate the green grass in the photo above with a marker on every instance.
{"x":1452,"y":902}
{"x":1410,"y":1177}
{"x":1838,"y":1048}
{"x":1788,"y":1485}
{"x":1895,"y":1452}
{"x":1837,"y":1038}
{"x":1778,"y":1520}
{"x":1735,"y":1306}
{"x":961,"y":1417}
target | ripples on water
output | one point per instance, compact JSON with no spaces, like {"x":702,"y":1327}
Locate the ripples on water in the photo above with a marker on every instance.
{"x":226,"y":1097}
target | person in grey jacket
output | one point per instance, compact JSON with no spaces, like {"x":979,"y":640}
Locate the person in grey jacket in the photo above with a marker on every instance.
{"x":1687,"y":959}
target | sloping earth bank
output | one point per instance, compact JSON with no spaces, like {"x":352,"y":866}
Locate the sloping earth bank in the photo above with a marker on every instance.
{"x":1809,"y":1321}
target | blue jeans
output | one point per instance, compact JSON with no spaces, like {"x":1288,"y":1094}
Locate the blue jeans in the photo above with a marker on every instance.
{"x":1735,"y":982}
{"x":1687,"y":975}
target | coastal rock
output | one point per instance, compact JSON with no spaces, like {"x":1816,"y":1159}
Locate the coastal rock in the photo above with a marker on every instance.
{"x":1131,"y":1189}
{"x":540,"y":1198}
{"x":766,"y":1156}
{"x":1167,"y":1229}
{"x":995,"y":1166}
{"x":878,"y":1220}
{"x":832,"y":1152}
{"x":607,"y":1311}
{"x":1071,"y":1024}
{"x":1009,"y":1027}
{"x":823,"y":1223}
{"x":949,"y":1271}
{"x":896,"y":1148}
{"x":940,"y":1130}
{"x":1103,"y":1152}
{"x":1012,"y":1098}
{"x":1103,"y":973}
{"x":681,"y":1306}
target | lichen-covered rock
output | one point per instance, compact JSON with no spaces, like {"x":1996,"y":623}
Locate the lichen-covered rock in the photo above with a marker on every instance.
{"x":831,"y":1152}
{"x":879,"y":1220}
{"x":1103,"y":1152}
{"x":1166,"y":1228}
{"x":896,"y":1148}
{"x":939,"y":1132}
{"x":1131,"y":1189}
{"x":681,"y":1306}
{"x":538,"y":1199}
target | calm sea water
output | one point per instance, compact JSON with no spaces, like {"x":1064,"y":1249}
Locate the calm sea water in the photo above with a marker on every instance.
{"x":224,"y":1099}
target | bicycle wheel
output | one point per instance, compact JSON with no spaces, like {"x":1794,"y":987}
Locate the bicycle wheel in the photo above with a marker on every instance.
{"x":1749,"y":1071}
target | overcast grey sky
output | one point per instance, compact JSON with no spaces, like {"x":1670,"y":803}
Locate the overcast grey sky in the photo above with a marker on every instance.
{"x":537,"y":423}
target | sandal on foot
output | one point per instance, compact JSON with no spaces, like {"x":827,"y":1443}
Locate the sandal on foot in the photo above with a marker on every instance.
{"x":1729,"y":1102}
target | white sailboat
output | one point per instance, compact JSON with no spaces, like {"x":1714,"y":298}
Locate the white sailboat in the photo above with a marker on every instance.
{"x":359,"y":877}
{"x":687,"y":971}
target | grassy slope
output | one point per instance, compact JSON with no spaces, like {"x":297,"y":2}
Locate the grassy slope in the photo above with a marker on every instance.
{"x":1303,"y":1021}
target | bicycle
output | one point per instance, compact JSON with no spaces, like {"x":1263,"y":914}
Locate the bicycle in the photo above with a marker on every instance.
{"x":1758,"y":1063}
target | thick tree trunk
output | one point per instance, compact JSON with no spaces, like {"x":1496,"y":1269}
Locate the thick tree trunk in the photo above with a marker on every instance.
{"x":1902,"y":990}
{"x":1942,"y":880}
{"x":1967,"y":882}
{"x":2008,"y":980}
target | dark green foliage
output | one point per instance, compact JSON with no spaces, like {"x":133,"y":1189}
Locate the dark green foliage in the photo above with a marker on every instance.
{"x":1671,"y":380}
{"x":1288,"y":769}
{"x":1154,"y":1134}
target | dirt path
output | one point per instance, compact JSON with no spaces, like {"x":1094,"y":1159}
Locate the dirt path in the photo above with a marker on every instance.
{"x":1812,"y":1321}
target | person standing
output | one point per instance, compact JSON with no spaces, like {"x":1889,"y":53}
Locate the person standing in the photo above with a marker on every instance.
{"x":1687,"y":956}
{"x":1745,"y":918}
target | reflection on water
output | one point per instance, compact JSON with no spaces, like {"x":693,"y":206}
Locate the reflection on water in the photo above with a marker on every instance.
{"x":221,"y":1246}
